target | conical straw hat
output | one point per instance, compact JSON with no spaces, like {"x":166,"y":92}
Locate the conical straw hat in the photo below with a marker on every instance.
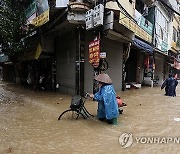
{"x":103,"y":77}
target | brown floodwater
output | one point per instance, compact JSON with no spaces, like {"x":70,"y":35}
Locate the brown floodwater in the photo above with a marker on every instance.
{"x":29,"y":123}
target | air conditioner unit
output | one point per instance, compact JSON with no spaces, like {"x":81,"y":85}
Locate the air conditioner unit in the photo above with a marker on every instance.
{"x":98,"y":15}
{"x":89,"y":19}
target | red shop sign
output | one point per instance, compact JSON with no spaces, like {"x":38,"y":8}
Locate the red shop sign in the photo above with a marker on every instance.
{"x":94,"y":52}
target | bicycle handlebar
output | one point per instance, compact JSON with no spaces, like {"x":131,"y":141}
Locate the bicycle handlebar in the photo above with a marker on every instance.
{"x":86,"y":95}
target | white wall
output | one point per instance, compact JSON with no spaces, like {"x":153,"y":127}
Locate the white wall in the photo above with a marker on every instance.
{"x":160,"y":24}
{"x":174,"y":4}
{"x":65,"y":48}
{"x":114,"y":57}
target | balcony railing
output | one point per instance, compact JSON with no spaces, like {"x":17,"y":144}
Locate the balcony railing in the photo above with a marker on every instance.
{"x":143,"y":23}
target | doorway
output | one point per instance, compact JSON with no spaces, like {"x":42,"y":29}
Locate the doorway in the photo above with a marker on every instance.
{"x":130,"y":67}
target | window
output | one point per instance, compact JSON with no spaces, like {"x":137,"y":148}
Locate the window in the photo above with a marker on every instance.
{"x":175,"y":33}
{"x":162,"y":26}
{"x":161,"y":34}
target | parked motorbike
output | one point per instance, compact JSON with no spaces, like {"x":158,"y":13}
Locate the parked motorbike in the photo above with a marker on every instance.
{"x":121,"y":104}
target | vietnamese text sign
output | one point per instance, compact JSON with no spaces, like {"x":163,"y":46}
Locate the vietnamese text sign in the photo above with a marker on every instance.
{"x":41,"y":19}
{"x":94,"y":51}
{"x":38,"y":12}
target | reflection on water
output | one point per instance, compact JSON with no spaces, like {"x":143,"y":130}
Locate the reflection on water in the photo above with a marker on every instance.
{"x":29,"y":123}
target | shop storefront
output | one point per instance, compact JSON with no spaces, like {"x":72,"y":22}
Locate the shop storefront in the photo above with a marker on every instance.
{"x":139,"y":66}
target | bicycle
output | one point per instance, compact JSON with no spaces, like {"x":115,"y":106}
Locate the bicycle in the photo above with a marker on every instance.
{"x":77,"y":108}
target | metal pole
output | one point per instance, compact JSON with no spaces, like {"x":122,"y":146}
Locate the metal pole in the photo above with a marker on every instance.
{"x":79,"y":59}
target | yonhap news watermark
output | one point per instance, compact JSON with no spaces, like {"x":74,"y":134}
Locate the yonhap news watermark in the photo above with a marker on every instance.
{"x":127,"y":139}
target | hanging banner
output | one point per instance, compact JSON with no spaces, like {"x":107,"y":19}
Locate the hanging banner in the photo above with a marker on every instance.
{"x":37,"y":13}
{"x":31,"y":10}
{"x":62,"y":3}
{"x":146,"y":62}
{"x":94,"y":52}
{"x":31,"y":18}
{"x":42,"y":6}
{"x":41,"y":19}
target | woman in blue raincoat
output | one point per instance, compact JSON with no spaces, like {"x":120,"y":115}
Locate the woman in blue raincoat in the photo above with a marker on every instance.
{"x":106,"y":97}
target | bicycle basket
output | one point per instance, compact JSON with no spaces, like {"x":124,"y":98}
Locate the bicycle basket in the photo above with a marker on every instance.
{"x":76,"y":102}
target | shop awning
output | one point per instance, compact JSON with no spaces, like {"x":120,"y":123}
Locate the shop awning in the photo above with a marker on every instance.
{"x":33,"y":55}
{"x":142,"y":45}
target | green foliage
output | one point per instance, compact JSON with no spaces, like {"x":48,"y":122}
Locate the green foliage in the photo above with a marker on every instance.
{"x":12,"y":27}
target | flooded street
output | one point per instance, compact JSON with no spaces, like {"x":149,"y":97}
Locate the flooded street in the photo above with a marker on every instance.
{"x":29,"y":123}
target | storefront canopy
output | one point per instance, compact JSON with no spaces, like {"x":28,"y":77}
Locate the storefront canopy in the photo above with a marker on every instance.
{"x":143,"y":45}
{"x":32,"y":55}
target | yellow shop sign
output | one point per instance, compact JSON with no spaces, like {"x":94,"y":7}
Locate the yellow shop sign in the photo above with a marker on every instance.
{"x":131,"y":25}
{"x":41,"y":19}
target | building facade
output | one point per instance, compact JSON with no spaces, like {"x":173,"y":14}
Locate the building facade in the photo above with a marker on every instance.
{"x":138,"y":40}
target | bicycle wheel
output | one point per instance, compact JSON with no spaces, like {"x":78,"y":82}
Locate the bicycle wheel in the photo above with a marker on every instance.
{"x":70,"y":115}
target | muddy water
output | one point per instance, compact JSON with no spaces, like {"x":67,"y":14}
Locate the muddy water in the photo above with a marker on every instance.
{"x":29,"y":123}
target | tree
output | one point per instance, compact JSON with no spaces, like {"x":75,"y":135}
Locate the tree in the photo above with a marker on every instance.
{"x":12,"y":27}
